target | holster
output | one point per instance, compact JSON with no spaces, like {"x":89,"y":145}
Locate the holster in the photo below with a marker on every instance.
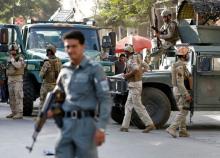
{"x":57,"y":108}
{"x":58,"y":116}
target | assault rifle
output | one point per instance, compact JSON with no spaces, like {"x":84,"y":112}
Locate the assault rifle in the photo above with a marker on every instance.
{"x":52,"y":102}
{"x":156,"y":29}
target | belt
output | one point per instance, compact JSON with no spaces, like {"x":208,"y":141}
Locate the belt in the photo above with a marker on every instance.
{"x":78,"y":114}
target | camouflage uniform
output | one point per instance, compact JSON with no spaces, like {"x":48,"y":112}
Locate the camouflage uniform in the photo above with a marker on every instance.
{"x":15,"y":72}
{"x":49,"y":72}
{"x":134,"y":67}
{"x":179,"y":74}
{"x":169,"y":35}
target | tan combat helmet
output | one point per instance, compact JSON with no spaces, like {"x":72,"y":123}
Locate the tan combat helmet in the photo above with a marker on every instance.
{"x":13,"y":47}
{"x":166,"y":12}
{"x":182,"y":51}
{"x":129,"y":49}
{"x":52,"y":48}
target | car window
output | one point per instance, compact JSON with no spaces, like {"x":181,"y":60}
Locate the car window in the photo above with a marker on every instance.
{"x":41,"y":37}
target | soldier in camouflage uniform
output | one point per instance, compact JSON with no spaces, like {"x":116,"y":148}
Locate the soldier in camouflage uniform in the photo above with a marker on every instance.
{"x":180,"y":75}
{"x":49,"y":72}
{"x":15,"y":72}
{"x":134,"y":77}
{"x":168,"y":35}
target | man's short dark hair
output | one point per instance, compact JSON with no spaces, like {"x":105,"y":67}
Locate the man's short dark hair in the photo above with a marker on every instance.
{"x":77,"y":35}
{"x":122,"y":55}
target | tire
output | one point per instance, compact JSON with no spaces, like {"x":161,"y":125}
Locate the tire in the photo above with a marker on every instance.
{"x":28,"y":100}
{"x":157,"y":105}
{"x":117,"y":114}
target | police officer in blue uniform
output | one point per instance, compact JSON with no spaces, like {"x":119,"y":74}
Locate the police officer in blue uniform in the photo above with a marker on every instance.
{"x":86,"y":89}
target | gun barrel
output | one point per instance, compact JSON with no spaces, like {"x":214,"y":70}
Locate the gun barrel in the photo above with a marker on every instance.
{"x":30,"y":148}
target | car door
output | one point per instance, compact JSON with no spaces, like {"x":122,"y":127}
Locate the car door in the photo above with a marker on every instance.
{"x":207,"y":82}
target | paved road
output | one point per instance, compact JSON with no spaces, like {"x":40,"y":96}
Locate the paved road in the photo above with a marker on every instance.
{"x":203,"y":143}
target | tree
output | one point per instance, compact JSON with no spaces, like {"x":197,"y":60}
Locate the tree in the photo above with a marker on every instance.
{"x":125,"y":12}
{"x":40,"y":9}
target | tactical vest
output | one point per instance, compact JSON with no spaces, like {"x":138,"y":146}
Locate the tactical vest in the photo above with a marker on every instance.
{"x":53,"y":71}
{"x":175,"y":36}
{"x":13,"y":71}
{"x":138,"y":74}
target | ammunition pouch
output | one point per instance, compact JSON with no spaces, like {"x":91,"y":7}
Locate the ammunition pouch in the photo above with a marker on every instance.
{"x":57,"y":108}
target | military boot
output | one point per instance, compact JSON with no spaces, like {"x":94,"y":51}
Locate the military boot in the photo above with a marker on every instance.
{"x":124,"y":129}
{"x":18,"y":116}
{"x":184,"y":134}
{"x":171,"y":132}
{"x":10,"y":115}
{"x":149,"y":128}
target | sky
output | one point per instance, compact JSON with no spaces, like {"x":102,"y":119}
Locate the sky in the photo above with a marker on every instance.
{"x":84,"y":8}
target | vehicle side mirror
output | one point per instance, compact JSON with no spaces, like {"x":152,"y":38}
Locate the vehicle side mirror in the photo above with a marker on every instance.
{"x":106,"y":42}
{"x":112,"y":36}
{"x":3,"y":40}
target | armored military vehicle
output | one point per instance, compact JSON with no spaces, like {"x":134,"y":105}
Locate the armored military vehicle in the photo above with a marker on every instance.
{"x":33,"y":42}
{"x":199,"y":32}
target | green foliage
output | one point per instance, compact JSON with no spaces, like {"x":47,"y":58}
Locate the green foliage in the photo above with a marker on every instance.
{"x":40,"y":9}
{"x":125,"y":12}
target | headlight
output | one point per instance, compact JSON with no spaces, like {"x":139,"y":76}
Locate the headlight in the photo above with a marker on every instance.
{"x":31,"y":67}
{"x":107,"y":68}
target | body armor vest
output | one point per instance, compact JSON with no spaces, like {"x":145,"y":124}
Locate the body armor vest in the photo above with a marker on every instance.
{"x":175,"y":36}
{"x":53,"y":71}
{"x":138,"y":73}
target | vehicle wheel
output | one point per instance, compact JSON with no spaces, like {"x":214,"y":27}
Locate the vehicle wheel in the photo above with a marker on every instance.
{"x":157,"y":105}
{"x":117,"y":114}
{"x":28,"y":100}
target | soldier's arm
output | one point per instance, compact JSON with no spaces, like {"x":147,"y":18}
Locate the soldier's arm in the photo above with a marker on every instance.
{"x":44,"y":69}
{"x":180,"y":83}
{"x":170,"y":32}
{"x":17,"y":64}
{"x":189,"y":77}
{"x":103,"y":96}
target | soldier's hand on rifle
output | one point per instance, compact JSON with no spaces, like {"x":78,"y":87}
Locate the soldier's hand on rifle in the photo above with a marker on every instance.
{"x":99,"y":137}
{"x":49,"y":114}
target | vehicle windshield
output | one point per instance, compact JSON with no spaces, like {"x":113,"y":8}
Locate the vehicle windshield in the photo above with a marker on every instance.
{"x":39,"y":38}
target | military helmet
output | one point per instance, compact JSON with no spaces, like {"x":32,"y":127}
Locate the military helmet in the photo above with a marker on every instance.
{"x":52,"y":48}
{"x":166,"y":12}
{"x":129,"y":49}
{"x":13,"y":47}
{"x":182,"y":51}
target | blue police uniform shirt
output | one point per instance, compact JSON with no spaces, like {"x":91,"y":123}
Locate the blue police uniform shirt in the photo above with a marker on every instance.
{"x":86,"y":88}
